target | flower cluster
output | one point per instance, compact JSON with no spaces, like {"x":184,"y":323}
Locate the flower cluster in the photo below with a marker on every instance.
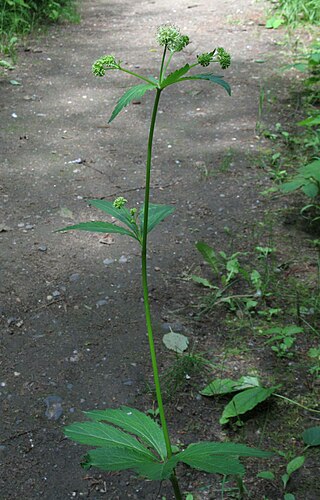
{"x":100,"y":66}
{"x":170,"y":37}
{"x":206,"y":58}
{"x":119,"y":202}
{"x":223,"y":57}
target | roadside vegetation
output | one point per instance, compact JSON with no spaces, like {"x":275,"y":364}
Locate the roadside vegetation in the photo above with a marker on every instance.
{"x":18,"y":18}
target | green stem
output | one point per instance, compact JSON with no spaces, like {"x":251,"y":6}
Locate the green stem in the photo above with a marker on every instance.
{"x":295,"y":403}
{"x":145,"y":278}
{"x":175,"y":486}
{"x":168,"y":62}
{"x":162,"y":64}
{"x":137,"y":76}
{"x":156,"y":377}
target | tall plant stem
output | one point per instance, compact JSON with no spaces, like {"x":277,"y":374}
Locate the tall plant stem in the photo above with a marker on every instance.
{"x":173,"y":478}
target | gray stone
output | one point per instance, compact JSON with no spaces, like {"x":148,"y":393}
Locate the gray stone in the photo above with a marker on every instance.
{"x":74,"y":277}
{"x":54,"y":407}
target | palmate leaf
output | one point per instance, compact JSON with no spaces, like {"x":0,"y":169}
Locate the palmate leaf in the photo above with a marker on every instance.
{"x":210,"y":77}
{"x":103,"y":435}
{"x":99,"y":227}
{"x":245,"y":401}
{"x":224,"y":449}
{"x":156,"y":214}
{"x":135,"y":422}
{"x":158,"y":471}
{"x":221,"y":458}
{"x":214,"y":464}
{"x":175,"y":76}
{"x":113,"y":458}
{"x":118,"y":458}
{"x":133,"y":93}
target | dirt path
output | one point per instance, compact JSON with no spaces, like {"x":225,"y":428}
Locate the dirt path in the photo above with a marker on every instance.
{"x":72,"y":318}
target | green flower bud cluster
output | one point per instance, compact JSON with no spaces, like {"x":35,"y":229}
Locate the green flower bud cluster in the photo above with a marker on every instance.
{"x":206,"y":58}
{"x":100,"y":66}
{"x":223,"y":57}
{"x":119,"y":202}
{"x":171,"y":37}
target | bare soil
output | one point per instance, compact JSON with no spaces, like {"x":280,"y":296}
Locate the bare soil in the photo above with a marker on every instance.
{"x":72,"y":321}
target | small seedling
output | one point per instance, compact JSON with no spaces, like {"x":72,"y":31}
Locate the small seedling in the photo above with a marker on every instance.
{"x":283,"y":339}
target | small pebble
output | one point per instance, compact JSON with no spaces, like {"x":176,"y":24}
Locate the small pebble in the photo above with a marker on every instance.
{"x":101,"y":303}
{"x":123,"y":259}
{"x":56,"y":294}
{"x":74,"y":277}
{"x":128,"y":382}
{"x":107,"y":262}
{"x":54,"y":407}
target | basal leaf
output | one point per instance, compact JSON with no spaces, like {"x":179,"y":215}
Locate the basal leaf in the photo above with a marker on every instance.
{"x":98,"y":227}
{"x":135,"y":422}
{"x":215,"y":465}
{"x":199,"y":457}
{"x":103,"y":435}
{"x":245,"y":401}
{"x":157,"y":213}
{"x":225,"y":449}
{"x":226,"y":386}
{"x":174,"y":77}
{"x":209,"y":255}
{"x":117,"y":458}
{"x":311,"y":436}
{"x":133,"y":93}
{"x":158,"y":471}
{"x":210,"y":77}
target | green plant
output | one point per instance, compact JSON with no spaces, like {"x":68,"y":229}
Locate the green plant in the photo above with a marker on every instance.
{"x":308,"y":180}
{"x":314,"y":354}
{"x":230,"y":274}
{"x":19,"y":17}
{"x":131,"y":439}
{"x":311,"y":437}
{"x":283,"y":339}
{"x":250,"y":393}
{"x":294,"y":12}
